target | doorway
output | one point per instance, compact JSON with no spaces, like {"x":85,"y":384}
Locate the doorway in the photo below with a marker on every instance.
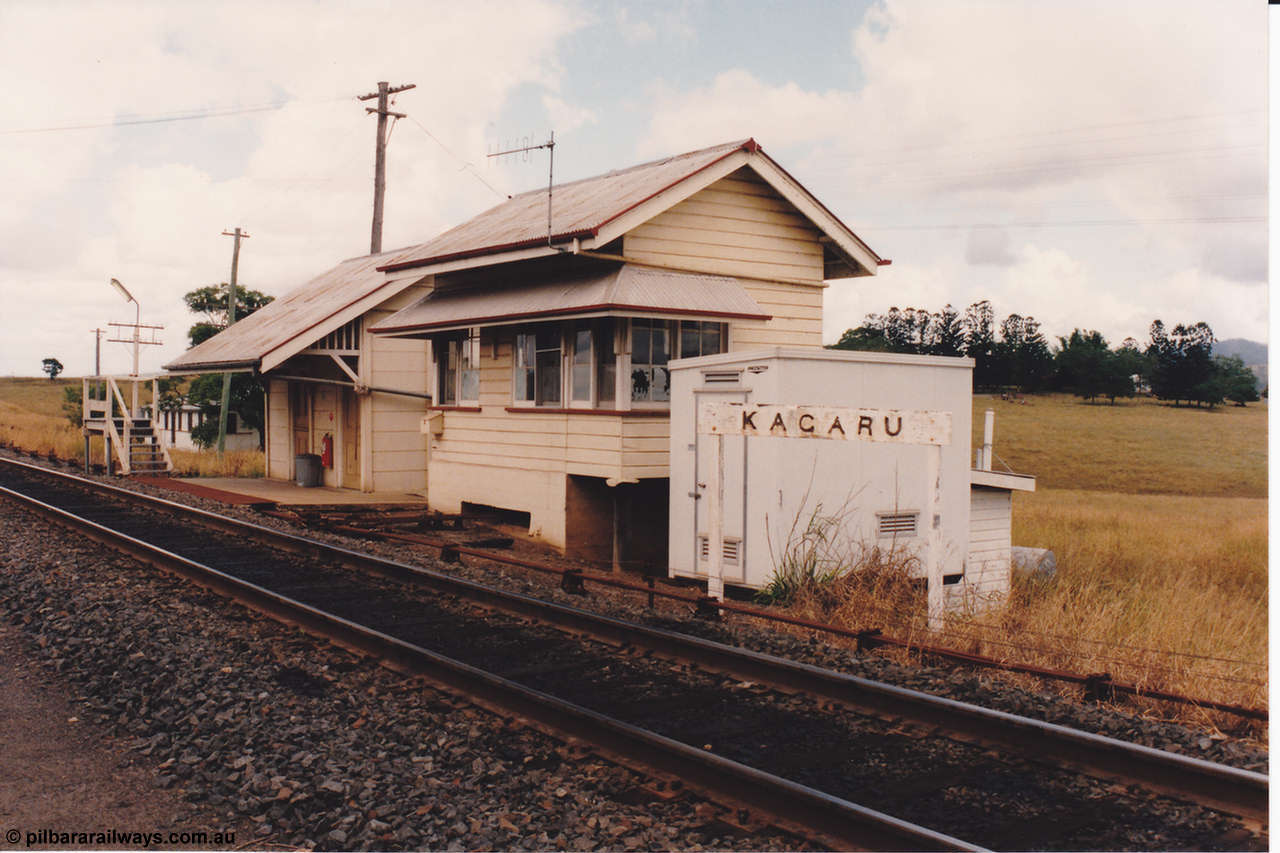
{"x":350,"y":439}
{"x":300,"y":417}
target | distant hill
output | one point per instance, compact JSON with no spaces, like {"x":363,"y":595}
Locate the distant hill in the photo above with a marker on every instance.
{"x":1251,"y":353}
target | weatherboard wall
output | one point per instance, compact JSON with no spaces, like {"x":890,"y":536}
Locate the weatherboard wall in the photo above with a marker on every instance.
{"x":990,"y":523}
{"x":278,"y":438}
{"x":741,"y":226}
{"x":394,"y":459}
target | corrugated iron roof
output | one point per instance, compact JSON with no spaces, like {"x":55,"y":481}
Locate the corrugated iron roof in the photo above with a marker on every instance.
{"x":579,"y":208}
{"x":288,"y":319}
{"x":622,"y":291}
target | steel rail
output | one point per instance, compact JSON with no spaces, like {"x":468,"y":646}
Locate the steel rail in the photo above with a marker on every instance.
{"x":788,"y":804}
{"x":866,"y":639}
{"x":1240,"y":792}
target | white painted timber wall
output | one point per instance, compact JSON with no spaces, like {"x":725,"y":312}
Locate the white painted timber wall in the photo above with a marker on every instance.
{"x":990,"y":520}
{"x":279,"y":431}
{"x":740,"y":226}
{"x":393,"y":448}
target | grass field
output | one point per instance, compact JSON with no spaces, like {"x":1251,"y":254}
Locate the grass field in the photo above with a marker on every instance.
{"x":1158,"y":519}
{"x":1137,"y":446}
{"x":32,"y":418}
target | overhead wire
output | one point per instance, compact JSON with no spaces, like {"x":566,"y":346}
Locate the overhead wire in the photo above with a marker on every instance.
{"x":1062,"y":131}
{"x":465,"y":165}
{"x":1081,"y":223}
{"x":161,"y":118}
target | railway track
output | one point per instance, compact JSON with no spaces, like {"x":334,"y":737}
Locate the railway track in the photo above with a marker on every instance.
{"x":850,"y":762}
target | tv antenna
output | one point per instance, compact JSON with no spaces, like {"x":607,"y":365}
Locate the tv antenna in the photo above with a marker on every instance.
{"x":550,"y":145}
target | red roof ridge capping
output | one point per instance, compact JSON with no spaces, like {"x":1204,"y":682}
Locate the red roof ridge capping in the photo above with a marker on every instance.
{"x":749,"y":145}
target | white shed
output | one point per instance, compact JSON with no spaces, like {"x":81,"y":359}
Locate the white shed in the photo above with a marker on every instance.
{"x":914,"y":495}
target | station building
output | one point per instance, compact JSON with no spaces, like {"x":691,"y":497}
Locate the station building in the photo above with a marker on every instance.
{"x":523,"y":365}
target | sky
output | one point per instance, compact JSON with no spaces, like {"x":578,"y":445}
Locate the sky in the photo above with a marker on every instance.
{"x":1094,"y":165}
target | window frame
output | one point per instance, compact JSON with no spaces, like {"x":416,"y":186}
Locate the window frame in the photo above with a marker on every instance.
{"x":609,"y":334}
{"x":448,"y":353}
{"x":672,"y":329}
{"x":518,"y":370}
{"x":675,"y":349}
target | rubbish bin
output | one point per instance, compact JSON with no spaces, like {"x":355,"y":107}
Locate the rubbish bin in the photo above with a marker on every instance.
{"x":307,"y":466}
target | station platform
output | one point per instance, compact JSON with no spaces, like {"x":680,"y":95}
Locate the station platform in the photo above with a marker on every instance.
{"x":245,"y":491}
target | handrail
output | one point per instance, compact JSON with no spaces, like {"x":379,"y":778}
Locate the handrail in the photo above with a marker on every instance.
{"x":122,"y":452}
{"x":128,"y":421}
{"x":158,"y":433}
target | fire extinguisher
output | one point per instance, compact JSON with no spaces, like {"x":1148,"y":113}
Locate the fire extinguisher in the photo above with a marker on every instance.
{"x":326,"y":451}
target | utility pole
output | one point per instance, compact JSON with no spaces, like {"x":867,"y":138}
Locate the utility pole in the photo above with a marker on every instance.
{"x":97,"y":350}
{"x":231,"y":318}
{"x":380,"y":154}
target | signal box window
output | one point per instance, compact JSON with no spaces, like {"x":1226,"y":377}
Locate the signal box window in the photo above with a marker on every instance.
{"x":458,"y":363}
{"x":537,"y":366}
{"x":650,"y":351}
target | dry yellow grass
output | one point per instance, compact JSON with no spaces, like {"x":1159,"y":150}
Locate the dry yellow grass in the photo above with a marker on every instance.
{"x":1165,"y":591}
{"x":41,"y":433}
{"x":233,"y":463}
{"x":32,"y":418}
{"x":1158,"y":519}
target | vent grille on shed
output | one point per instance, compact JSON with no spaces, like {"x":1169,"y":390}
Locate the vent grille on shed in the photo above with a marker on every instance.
{"x":721,"y":377}
{"x":897,"y":523}
{"x":731,"y":551}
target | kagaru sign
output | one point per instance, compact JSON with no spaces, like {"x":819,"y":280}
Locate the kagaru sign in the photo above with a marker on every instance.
{"x":899,"y":426}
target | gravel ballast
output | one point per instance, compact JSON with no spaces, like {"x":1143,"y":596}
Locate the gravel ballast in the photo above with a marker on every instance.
{"x":129,"y":627}
{"x":980,"y":687}
{"x":313,"y":746}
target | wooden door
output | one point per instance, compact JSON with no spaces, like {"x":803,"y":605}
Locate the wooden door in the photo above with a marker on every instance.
{"x":300,"y":416}
{"x":350,"y":439}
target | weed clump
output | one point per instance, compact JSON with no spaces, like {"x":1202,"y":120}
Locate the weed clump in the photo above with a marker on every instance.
{"x":823,"y":571}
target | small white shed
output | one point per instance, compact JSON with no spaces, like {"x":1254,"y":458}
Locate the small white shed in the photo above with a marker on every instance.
{"x":888,"y":491}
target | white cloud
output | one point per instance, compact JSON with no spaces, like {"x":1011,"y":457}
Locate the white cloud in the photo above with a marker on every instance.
{"x":566,"y":117}
{"x":147,"y":203}
{"x":1138,"y":125}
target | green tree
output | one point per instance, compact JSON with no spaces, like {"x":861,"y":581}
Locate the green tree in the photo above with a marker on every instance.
{"x":946,"y":333}
{"x":1239,"y":383}
{"x":1022,"y":356}
{"x":211,"y":301}
{"x":205,"y":391}
{"x":865,"y":338}
{"x":52,"y":367}
{"x":73,"y":405}
{"x":1132,"y":362}
{"x":1081,"y":364}
{"x":1182,"y":364}
{"x":980,"y":342}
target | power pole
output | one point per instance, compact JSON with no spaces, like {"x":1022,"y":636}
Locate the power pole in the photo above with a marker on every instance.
{"x":97,"y":350}
{"x":231,"y":318}
{"x":380,"y":155}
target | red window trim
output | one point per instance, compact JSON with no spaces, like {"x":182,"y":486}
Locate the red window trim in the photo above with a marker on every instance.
{"x":632,"y":413}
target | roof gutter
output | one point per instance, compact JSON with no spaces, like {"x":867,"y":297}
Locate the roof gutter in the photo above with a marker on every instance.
{"x":601,"y":309}
{"x":214,"y":367}
{"x":532,"y":243}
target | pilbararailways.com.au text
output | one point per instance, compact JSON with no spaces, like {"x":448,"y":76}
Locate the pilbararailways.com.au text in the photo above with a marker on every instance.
{"x":48,"y":837}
